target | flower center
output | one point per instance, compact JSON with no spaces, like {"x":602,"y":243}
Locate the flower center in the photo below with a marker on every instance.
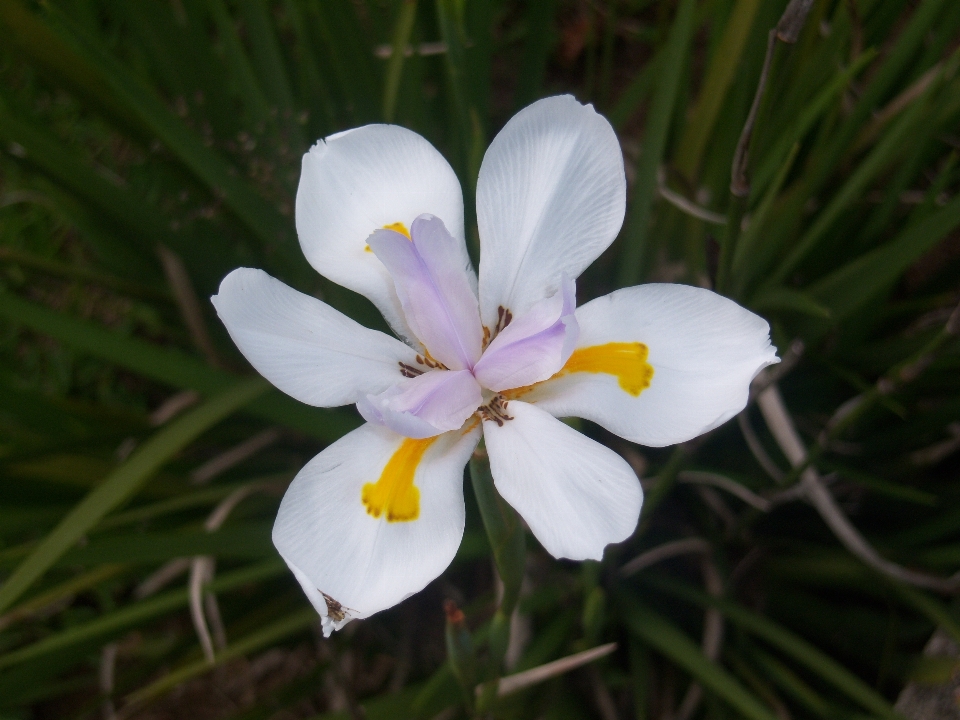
{"x":495,"y":410}
{"x":394,"y":495}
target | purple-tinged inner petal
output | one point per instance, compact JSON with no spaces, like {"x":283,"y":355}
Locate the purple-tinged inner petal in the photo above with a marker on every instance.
{"x":534,"y":346}
{"x":424,"y":406}
{"x":434,"y":290}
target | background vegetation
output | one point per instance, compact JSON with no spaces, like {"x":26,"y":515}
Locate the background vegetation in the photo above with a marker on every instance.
{"x":793,"y":563}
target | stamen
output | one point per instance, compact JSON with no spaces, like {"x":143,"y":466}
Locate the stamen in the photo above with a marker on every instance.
{"x":409,"y":370}
{"x":425,"y":359}
{"x":495,"y":410}
{"x":394,"y":495}
{"x":504,"y":317}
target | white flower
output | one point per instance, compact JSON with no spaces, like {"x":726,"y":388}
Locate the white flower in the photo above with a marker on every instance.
{"x":379,"y":513}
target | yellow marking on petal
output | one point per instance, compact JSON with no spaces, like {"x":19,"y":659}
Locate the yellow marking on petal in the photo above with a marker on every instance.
{"x":398,"y":227}
{"x":473,"y":422}
{"x":625,"y":360}
{"x":394,"y":495}
{"x":519,"y":392}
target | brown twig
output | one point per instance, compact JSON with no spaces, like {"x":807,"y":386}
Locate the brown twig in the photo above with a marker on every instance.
{"x":522,"y":680}
{"x":781,"y":426}
{"x":724,"y":483}
{"x":757,"y":450}
{"x":188,"y":303}
{"x":712,"y":637}
{"x":234,"y":456}
{"x":664,"y":552}
{"x":787,"y":30}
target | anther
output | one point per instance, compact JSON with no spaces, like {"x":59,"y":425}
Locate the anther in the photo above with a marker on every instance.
{"x":495,"y":411}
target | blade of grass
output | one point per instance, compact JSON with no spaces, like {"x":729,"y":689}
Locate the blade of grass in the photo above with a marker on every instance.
{"x":401,"y":38}
{"x":536,"y":51}
{"x":266,"y":636}
{"x":30,"y":35}
{"x":244,"y":539}
{"x":137,"y":613}
{"x":879,"y":158}
{"x":120,"y":485}
{"x":238,"y":62}
{"x":634,"y":94}
{"x":745,"y":260}
{"x":791,"y":684}
{"x":170,"y":366}
{"x":312,"y":84}
{"x":716,"y":84}
{"x":269,"y":60}
{"x":67,"y":167}
{"x":83,"y":274}
{"x":261,"y":218}
{"x":676,"y":645}
{"x":349,"y":54}
{"x":65,"y":589}
{"x":895,"y":62}
{"x":637,"y":250}
{"x":933,"y":609}
{"x":779,"y":637}
{"x":847,"y":288}
{"x":804,"y":122}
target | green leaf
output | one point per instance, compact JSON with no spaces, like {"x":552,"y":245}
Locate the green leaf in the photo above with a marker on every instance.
{"x":786,"y":299}
{"x":636,"y":247}
{"x":540,"y":37}
{"x":262,"y":218}
{"x":120,"y":485}
{"x":848,"y":288}
{"x":676,"y":645}
{"x":113,"y":622}
{"x":246,"y":540}
{"x":930,"y":607}
{"x":170,"y":366}
{"x":401,"y":38}
{"x":719,"y":76}
{"x":269,"y":635}
{"x":785,"y":641}
{"x":886,"y":151}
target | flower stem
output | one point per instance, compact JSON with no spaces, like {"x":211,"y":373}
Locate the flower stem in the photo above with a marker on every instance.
{"x":506,"y":534}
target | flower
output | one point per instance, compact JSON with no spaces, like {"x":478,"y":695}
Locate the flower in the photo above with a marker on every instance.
{"x":379,"y":513}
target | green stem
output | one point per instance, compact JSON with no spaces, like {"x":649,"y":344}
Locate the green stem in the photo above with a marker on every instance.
{"x":505,"y":531}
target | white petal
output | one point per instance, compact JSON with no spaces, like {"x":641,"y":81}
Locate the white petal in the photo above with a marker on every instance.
{"x":550,"y":198}
{"x":365,"y":563}
{"x":303,"y":346}
{"x":358,"y":181}
{"x":576,"y":495}
{"x":703,"y":349}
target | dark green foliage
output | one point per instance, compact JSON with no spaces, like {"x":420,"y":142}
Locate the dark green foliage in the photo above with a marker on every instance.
{"x":130,"y":126}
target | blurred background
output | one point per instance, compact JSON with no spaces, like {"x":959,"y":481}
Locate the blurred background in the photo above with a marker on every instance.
{"x":796,"y":562}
